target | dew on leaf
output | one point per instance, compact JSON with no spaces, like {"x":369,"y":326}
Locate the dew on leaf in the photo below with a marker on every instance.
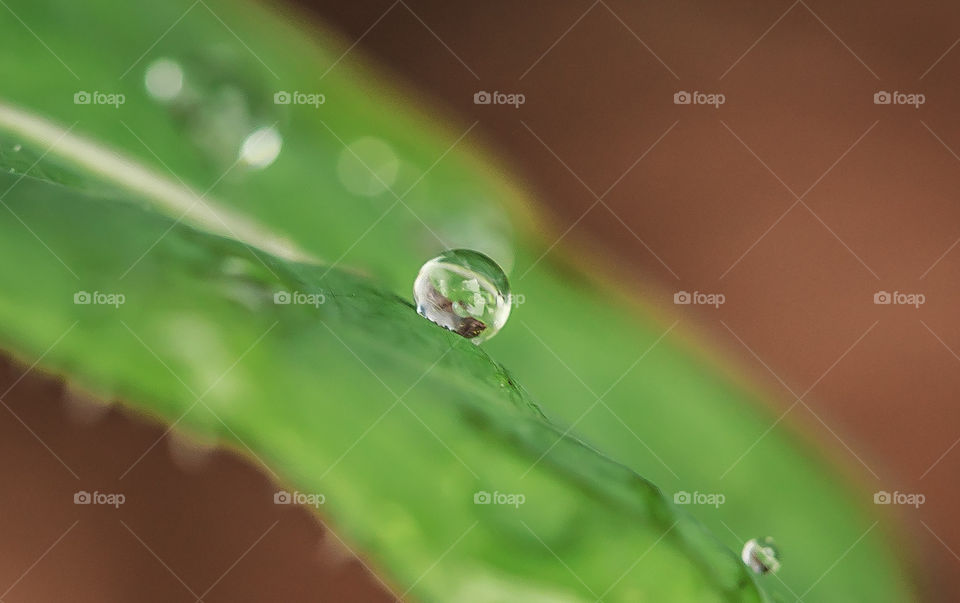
{"x":261,"y":147}
{"x":463,"y":291}
{"x":164,"y":79}
{"x":224,"y":110}
{"x":761,"y":555}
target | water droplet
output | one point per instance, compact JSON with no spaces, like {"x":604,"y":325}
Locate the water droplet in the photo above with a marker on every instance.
{"x":83,"y":406}
{"x":16,"y":148}
{"x":190,"y":452}
{"x":761,"y":555}
{"x":368,"y":167}
{"x":261,"y":148}
{"x":333,"y":552}
{"x":464,"y":291}
{"x":220,"y":101}
{"x":164,"y":79}
{"x":246,"y":282}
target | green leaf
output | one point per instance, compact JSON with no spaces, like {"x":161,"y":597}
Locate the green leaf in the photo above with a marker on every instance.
{"x":670,"y":415}
{"x":348,"y":394}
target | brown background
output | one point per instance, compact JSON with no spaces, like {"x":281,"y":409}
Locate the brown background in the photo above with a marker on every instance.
{"x":714,"y":205}
{"x":709,"y":208}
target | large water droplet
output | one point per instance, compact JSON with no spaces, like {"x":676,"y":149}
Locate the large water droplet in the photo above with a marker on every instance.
{"x":761,"y":555}
{"x":464,"y":291}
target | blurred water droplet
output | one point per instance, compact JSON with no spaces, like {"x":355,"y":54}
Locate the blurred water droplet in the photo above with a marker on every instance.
{"x":164,"y":79}
{"x":761,"y":555}
{"x":190,"y":453}
{"x":197,"y":352}
{"x":222,"y":102}
{"x":16,"y":148}
{"x":332,"y":551}
{"x":84,"y":407}
{"x":261,"y":148}
{"x":246,"y":283}
{"x":368,"y":167}
{"x":464,"y":291}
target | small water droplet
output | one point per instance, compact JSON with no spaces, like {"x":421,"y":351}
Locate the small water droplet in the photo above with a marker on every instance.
{"x":261,"y":147}
{"x":164,"y":79}
{"x":16,"y":148}
{"x":220,"y":102}
{"x":83,"y":406}
{"x":761,"y":555}
{"x":246,"y":283}
{"x":190,"y":452}
{"x":464,"y":291}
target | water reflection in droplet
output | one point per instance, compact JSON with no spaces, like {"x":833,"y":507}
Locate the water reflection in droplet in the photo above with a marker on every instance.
{"x":761,"y":555}
{"x":463,"y":291}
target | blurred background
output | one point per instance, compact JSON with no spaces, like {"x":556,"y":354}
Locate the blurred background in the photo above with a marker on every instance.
{"x":798,"y":198}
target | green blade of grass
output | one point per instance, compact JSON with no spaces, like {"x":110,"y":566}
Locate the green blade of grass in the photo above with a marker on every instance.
{"x":425,"y":453}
